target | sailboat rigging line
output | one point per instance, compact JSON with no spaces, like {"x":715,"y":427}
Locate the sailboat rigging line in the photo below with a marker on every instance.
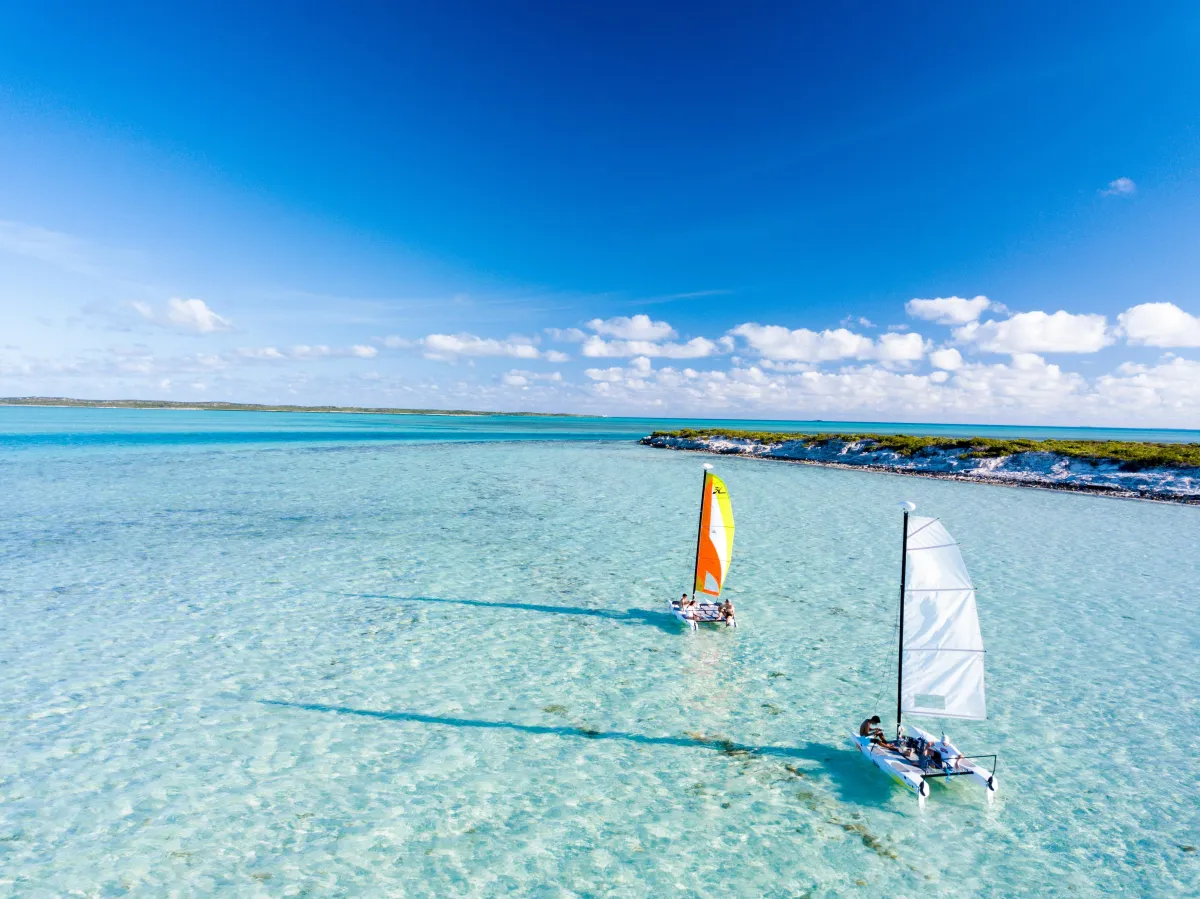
{"x":995,"y":764}
{"x":699,"y":528}
{"x":900,"y":642}
{"x":882,"y":655}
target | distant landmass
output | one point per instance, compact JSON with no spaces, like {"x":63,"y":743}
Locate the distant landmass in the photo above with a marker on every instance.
{"x":246,"y":407}
{"x":1144,"y":470}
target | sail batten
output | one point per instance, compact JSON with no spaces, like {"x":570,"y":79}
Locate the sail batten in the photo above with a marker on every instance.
{"x":714,"y":550}
{"x":942,"y":652}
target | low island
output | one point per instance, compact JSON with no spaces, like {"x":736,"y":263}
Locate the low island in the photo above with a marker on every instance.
{"x":1159,"y":471}
{"x":242,"y":407}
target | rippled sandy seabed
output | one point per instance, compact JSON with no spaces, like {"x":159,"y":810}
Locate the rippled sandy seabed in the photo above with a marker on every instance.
{"x":443,"y":669}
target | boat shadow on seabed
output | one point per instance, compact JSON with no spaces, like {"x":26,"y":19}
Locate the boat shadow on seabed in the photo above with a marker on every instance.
{"x":629,"y":616}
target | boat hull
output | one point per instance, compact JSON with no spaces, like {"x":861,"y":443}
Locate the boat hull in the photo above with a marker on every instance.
{"x":908,"y":776}
{"x":963,"y":767}
{"x":915,"y":779}
{"x":706,"y":612}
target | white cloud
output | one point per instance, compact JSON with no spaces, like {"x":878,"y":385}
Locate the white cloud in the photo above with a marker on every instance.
{"x":451,"y":347}
{"x":1027,"y":381}
{"x":1025,"y":386}
{"x":1169,"y":390}
{"x":1121,"y":187}
{"x":948,"y":359}
{"x":900,"y":348}
{"x":802,"y":345}
{"x":612,"y":375}
{"x":637,"y":327}
{"x":309,"y":352}
{"x":779,"y":344}
{"x":772,"y":365}
{"x":518,"y":378}
{"x":1023,"y":389}
{"x":264,"y":352}
{"x":1160,"y":324}
{"x":696,"y":348}
{"x":447,"y":347}
{"x":1039,"y":332}
{"x":305,"y":352}
{"x":194,"y":315}
{"x":948,"y":310}
{"x":570,"y":335}
{"x":190,"y":316}
{"x":860,"y":320}
{"x":639,"y":369}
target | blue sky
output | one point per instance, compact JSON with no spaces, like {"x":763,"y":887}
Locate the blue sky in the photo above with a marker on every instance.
{"x":688,"y":210}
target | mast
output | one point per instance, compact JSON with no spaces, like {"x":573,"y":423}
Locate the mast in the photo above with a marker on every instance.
{"x":700,"y":525}
{"x":900,"y":652}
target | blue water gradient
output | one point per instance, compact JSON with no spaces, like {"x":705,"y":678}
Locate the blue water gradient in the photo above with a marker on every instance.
{"x":441,"y":667}
{"x":53,"y":426}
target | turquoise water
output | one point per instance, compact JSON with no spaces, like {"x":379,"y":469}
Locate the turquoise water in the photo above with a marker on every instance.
{"x":437,"y":665}
{"x":49,"y":426}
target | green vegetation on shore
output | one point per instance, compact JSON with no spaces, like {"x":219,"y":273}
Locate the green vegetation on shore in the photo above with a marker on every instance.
{"x":239,"y":407}
{"x":1133,"y":456}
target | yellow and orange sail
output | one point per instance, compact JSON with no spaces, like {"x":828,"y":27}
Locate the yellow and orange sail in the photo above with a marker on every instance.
{"x":715,"y":548}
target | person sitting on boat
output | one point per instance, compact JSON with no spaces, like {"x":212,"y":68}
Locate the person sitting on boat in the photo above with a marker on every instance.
{"x":931,"y":758}
{"x":870,"y":728}
{"x":686,"y":606}
{"x":726,"y":612}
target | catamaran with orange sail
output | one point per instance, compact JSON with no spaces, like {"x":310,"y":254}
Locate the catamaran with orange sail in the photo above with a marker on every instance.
{"x":714,"y":552}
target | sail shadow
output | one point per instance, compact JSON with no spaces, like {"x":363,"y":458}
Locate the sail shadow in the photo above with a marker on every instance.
{"x":660,"y":620}
{"x":728,"y":747}
{"x":840,"y":766}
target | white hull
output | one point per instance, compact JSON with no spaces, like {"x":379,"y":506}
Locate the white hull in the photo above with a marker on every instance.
{"x":704,"y":613}
{"x":912,"y":777}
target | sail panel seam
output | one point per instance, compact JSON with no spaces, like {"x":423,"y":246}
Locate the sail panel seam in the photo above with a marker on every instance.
{"x":939,"y":714}
{"x":940,"y":649}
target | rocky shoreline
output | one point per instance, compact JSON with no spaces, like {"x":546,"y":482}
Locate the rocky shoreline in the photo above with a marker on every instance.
{"x":1045,"y":470}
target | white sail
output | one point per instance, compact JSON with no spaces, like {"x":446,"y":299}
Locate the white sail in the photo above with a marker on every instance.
{"x":943,"y":648}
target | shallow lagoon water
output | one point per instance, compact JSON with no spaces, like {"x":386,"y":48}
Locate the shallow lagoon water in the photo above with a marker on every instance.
{"x":443,"y":668}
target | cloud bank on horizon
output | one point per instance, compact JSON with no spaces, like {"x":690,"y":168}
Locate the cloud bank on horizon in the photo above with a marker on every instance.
{"x":528,"y":227}
{"x":973,"y":360}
